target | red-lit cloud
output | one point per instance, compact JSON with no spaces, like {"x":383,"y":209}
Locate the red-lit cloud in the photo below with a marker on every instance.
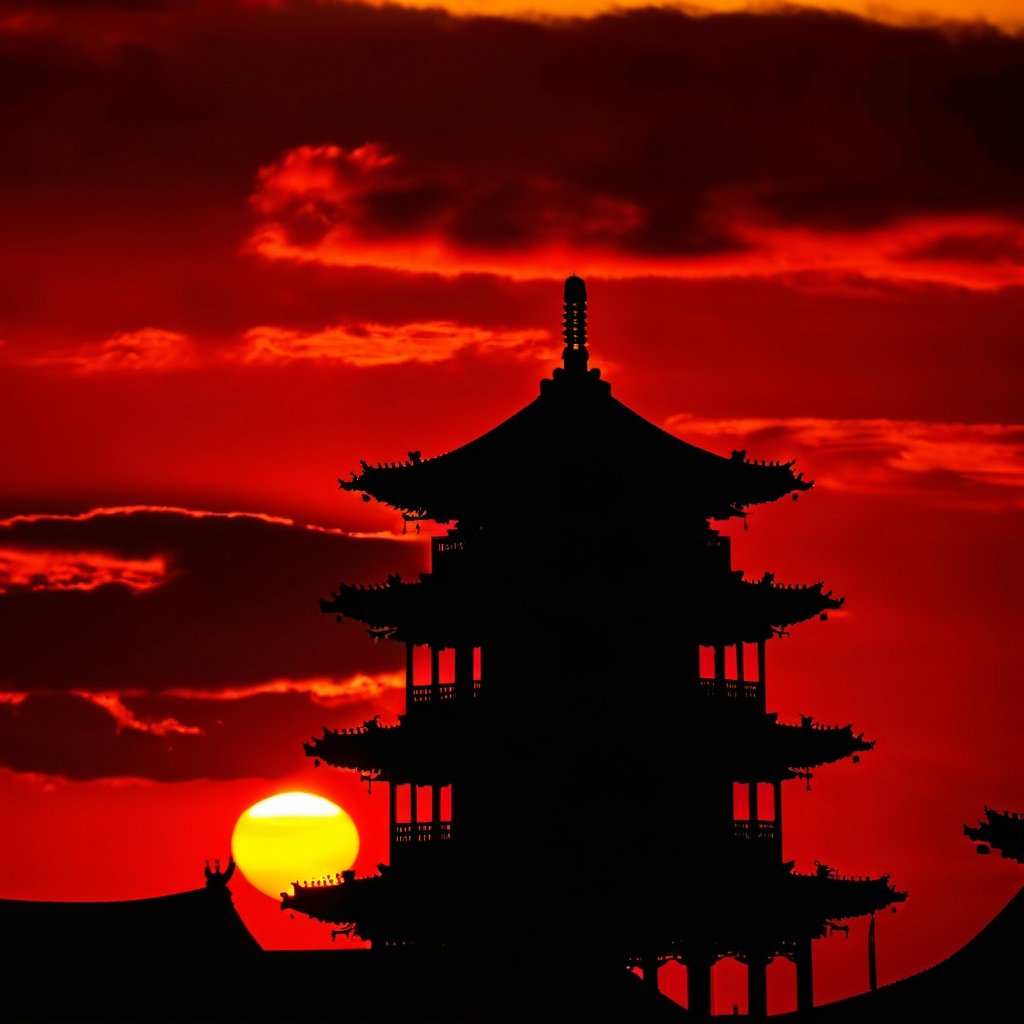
{"x":976,"y":464}
{"x":77,"y":570}
{"x":148,"y":350}
{"x":367,"y":345}
{"x":125,"y":718}
{"x":324,"y":691}
{"x":369,"y":206}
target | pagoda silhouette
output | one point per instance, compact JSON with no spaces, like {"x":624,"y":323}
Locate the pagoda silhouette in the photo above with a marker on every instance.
{"x":586,"y":778}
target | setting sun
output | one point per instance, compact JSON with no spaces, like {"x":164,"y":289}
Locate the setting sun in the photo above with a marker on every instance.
{"x":293,"y":837}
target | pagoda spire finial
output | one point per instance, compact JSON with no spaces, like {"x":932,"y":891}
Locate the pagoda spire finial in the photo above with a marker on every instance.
{"x":574,"y":321}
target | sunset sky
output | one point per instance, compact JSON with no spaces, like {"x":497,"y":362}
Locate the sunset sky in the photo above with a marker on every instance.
{"x":246,"y":244}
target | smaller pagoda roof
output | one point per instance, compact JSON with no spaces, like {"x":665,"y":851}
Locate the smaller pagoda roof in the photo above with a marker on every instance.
{"x":1002,"y":831}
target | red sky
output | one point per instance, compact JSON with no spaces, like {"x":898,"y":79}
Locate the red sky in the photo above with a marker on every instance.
{"x":248,"y":244}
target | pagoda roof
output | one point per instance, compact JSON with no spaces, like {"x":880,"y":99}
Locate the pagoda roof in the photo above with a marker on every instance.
{"x":446,"y":612}
{"x":427,"y":744}
{"x":577,"y":444}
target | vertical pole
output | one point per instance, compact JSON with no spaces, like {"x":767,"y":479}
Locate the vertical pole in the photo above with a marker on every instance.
{"x":752,"y":802}
{"x":804,"y":976}
{"x":698,"y":985}
{"x":872,"y":954}
{"x":757,"y":985}
{"x":412,"y":812}
{"x":739,"y":662}
{"x":435,"y":673}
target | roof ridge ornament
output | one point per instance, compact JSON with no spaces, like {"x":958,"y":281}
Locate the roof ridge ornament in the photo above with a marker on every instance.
{"x":574,"y":330}
{"x":574,"y":325}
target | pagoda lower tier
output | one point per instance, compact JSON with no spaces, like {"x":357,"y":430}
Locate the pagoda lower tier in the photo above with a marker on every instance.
{"x":763,"y":910}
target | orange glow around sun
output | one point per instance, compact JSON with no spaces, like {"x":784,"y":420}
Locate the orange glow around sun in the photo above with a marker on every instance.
{"x":293,"y":837}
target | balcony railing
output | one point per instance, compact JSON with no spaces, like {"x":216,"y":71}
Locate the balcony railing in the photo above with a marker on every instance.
{"x":421,"y":831}
{"x":444,"y":692}
{"x":732,"y":689}
{"x":755,"y":831}
{"x":444,"y":545}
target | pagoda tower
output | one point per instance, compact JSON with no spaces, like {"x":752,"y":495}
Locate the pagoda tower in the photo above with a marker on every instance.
{"x":565,"y":778}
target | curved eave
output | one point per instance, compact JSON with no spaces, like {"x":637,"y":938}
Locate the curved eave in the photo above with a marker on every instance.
{"x":344,"y":903}
{"x":837,"y":897}
{"x":748,"y":611}
{"x":783,"y":605}
{"x":415,"y":612}
{"x":1002,"y":831}
{"x":371,"y":750}
{"x":496,"y":468}
{"x":810,"y":745}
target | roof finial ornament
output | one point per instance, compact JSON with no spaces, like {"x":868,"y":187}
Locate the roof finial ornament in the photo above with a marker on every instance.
{"x":574,"y":321}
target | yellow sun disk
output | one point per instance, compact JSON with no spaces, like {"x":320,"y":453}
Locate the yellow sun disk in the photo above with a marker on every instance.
{"x":293,"y":837}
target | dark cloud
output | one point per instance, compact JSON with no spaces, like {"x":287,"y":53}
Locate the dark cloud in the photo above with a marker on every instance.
{"x":262,"y":735}
{"x":133,"y":143}
{"x":239,"y":605}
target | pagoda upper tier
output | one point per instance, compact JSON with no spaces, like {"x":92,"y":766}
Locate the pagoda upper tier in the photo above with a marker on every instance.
{"x":576,"y":445}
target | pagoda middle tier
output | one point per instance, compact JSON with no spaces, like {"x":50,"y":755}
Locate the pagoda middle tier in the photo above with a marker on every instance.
{"x":448,"y":611}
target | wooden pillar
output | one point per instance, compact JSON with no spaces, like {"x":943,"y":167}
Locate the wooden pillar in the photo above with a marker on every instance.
{"x":761,"y":672}
{"x":435,"y":673}
{"x":804,"y":976}
{"x":650,"y":969}
{"x":719,"y":661}
{"x":753,"y":809}
{"x":412,"y":809}
{"x":464,"y":671}
{"x":409,"y":674}
{"x":757,"y":986}
{"x":698,"y":985}
{"x":777,"y":800}
{"x":739,"y":662}
{"x":392,"y":816}
{"x":435,"y":811}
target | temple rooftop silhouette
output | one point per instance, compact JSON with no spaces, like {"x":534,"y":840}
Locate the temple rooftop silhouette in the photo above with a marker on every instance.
{"x":585,"y":784}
